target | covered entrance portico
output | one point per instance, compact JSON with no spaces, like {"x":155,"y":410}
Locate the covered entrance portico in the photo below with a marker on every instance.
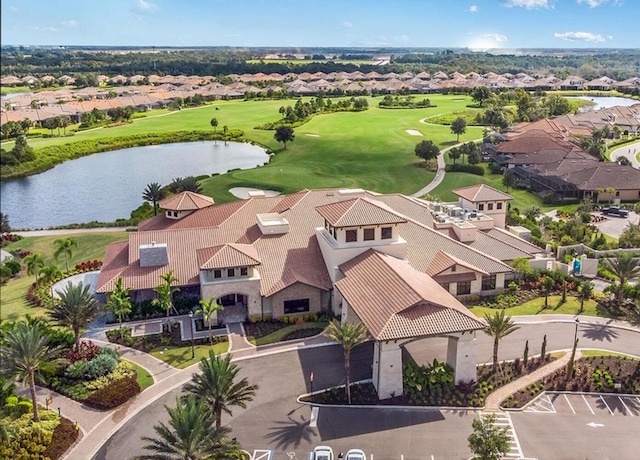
{"x":235,"y":308}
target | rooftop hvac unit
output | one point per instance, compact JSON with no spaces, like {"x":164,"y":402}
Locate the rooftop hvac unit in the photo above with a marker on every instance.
{"x":455,"y":212}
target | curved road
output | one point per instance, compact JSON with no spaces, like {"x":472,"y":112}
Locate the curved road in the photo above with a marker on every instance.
{"x":274,"y":420}
{"x":628,"y":151}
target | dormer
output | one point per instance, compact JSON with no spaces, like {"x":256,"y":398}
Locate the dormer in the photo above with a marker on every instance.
{"x":228,"y":262}
{"x":183,"y":204}
{"x":486,"y":200}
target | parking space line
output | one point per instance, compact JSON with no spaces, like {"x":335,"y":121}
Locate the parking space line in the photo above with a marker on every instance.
{"x":626,"y":409}
{"x":587,"y":403}
{"x":607,"y":405}
{"x":570,"y":406}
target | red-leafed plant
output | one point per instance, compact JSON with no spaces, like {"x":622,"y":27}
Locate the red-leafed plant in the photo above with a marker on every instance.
{"x":87,"y":351}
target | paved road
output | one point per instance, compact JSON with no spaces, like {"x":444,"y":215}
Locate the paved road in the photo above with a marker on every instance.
{"x":628,"y":151}
{"x":276,"y":421}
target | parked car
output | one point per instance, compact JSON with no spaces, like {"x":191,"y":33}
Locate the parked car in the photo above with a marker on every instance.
{"x":322,"y":453}
{"x":615,"y":211}
{"x":355,"y":454}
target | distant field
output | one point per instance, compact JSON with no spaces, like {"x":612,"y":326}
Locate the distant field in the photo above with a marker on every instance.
{"x":310,"y":61}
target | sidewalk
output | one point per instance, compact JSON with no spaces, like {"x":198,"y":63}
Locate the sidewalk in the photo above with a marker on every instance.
{"x":492,"y":403}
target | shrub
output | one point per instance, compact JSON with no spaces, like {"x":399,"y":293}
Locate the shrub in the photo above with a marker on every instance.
{"x":101,"y":365}
{"x":86,"y":351}
{"x":471,"y":169}
{"x":113,"y":395}
{"x":64,"y":436}
{"x":123,"y":370}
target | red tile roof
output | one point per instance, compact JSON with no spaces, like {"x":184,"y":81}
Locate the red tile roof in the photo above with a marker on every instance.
{"x":358,"y":212}
{"x":227,"y":256}
{"x":481,"y":192}
{"x":186,"y":201}
{"x":443,"y":261}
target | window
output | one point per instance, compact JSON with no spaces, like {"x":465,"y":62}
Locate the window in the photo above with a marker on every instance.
{"x":488,"y":283}
{"x":453,"y":268}
{"x":446,"y":286}
{"x":464,"y":288}
{"x":490,"y":207}
{"x":296,"y":306}
{"x":386,"y":233}
{"x":617,"y":194}
{"x":481,"y":207}
{"x":217,"y":273}
{"x":244,"y":271}
{"x":231,"y":272}
{"x":498,"y":205}
{"x":352,"y":235}
{"x":369,"y":234}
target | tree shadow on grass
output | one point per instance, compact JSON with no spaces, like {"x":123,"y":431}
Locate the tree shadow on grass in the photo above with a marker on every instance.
{"x":291,"y":433}
{"x":599,"y":332}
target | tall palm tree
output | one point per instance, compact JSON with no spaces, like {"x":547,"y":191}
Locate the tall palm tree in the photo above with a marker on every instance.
{"x":65,"y":246}
{"x":153,"y":194}
{"x":218,"y":387}
{"x":190,"y":435}
{"x":75,"y":308}
{"x":24,"y":350}
{"x":34,"y":263}
{"x":119,"y":302}
{"x":165,"y":292}
{"x":48,"y":274}
{"x":624,"y":266}
{"x":208,"y":309}
{"x":498,"y":327}
{"x":348,"y":336}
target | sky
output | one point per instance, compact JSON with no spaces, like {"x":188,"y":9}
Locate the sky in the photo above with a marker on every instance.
{"x":476,"y":24}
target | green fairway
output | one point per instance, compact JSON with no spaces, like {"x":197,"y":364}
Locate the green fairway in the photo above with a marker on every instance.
{"x":13,"y":304}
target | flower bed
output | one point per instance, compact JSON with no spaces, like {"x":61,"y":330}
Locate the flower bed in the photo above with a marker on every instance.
{"x":168,"y":337}
{"x":257,"y":328}
{"x":601,"y":374}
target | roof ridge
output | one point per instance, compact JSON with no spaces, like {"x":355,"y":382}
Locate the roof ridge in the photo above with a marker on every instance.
{"x":506,"y":242}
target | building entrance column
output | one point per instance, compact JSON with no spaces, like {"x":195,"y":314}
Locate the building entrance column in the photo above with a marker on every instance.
{"x":387,"y":369}
{"x":461,"y":355}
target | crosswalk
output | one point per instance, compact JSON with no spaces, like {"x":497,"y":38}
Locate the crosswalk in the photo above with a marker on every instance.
{"x":503,"y":420}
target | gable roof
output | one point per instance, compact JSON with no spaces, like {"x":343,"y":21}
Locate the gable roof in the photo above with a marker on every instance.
{"x":359,"y":211}
{"x":407,"y":304}
{"x":186,"y":201}
{"x":481,"y":192}
{"x":227,"y":256}
{"x":443,"y":261}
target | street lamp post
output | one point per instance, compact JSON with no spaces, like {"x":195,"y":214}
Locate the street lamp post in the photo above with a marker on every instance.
{"x":573,"y":352}
{"x":575,"y":335}
{"x":193,"y":351}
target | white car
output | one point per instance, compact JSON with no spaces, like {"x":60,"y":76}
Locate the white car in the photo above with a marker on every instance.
{"x":355,"y":454}
{"x":322,"y":453}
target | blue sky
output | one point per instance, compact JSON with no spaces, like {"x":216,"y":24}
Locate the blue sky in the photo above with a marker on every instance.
{"x":479,"y":24}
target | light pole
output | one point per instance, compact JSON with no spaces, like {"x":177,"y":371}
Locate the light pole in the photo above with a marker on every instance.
{"x":570,"y":364}
{"x":575,"y":335}
{"x":193,"y":351}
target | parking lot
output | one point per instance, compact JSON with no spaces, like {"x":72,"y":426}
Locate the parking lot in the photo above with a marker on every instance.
{"x":586,"y":404}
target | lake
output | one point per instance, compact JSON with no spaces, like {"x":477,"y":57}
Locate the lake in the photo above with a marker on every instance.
{"x":606,"y":102}
{"x":107,"y":186}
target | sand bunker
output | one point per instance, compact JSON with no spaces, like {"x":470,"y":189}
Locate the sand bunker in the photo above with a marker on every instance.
{"x":247,"y":192}
{"x":413,"y":132}
{"x":312,"y":135}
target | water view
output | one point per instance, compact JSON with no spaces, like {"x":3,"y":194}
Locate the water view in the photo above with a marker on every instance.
{"x":606,"y":102}
{"x":107,"y":186}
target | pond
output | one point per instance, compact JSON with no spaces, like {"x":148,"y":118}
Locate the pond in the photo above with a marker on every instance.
{"x":107,"y":186}
{"x":605,"y":102}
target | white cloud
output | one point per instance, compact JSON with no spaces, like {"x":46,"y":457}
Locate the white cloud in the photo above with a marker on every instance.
{"x":404,"y":38}
{"x":609,"y":37}
{"x":496,"y":37}
{"x":45,"y":29}
{"x":70,"y":23}
{"x":585,"y":36}
{"x":529,"y":4}
{"x":473,"y":9}
{"x":347,"y":24}
{"x":595,"y":3}
{"x":144,"y":7}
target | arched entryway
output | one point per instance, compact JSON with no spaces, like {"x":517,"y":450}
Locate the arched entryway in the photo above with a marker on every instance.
{"x":235,"y":308}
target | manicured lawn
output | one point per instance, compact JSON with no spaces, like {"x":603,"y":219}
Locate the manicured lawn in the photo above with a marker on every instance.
{"x":144,"y":378}
{"x":278,"y":335}
{"x":586,"y":353}
{"x":13,"y":305}
{"x":536,"y":307}
{"x":180,"y":357}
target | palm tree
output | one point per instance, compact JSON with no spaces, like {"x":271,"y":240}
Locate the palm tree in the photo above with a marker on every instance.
{"x":498,"y":327}
{"x":216,"y":385}
{"x":586,"y":291}
{"x":624,"y":266}
{"x":348,"y":335}
{"x":64,"y":246}
{"x":208,"y":309}
{"x":165,"y":292}
{"x":24,"y":350}
{"x":34,"y":263}
{"x":119,"y":302}
{"x":548,"y":283}
{"x":75,"y":308}
{"x":153,"y":193}
{"x":190,"y":435}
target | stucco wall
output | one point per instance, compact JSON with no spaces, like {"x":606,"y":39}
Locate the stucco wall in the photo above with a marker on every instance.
{"x":293,"y":292}
{"x":248,"y":287}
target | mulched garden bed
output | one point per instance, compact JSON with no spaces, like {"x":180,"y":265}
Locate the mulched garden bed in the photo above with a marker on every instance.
{"x":302,"y":333}
{"x":600,"y":374}
{"x":147,"y":343}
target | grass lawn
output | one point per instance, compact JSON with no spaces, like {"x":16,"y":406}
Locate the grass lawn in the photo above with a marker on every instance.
{"x":13,"y":305}
{"x":536,"y":307}
{"x":586,"y":353}
{"x":180,"y":357}
{"x":280,"y":333}
{"x":144,"y":378}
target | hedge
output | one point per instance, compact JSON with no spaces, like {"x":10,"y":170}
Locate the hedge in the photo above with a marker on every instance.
{"x":64,"y":436}
{"x":472,"y":169}
{"x":113,"y":395}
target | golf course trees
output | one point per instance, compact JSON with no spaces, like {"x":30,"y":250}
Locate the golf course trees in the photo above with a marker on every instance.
{"x":65,"y":246}
{"x":454,"y":154}
{"x":480,"y":94}
{"x":214,"y":124}
{"x":153,"y":194}
{"x":498,"y":327}
{"x":427,"y":150}
{"x":459,"y":126}
{"x":284,"y":134}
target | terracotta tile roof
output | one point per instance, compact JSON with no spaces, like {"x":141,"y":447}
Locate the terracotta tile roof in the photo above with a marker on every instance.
{"x":443,"y":261}
{"x":212,"y":216}
{"x":481,"y":192}
{"x":455,"y":277}
{"x":289,"y":201}
{"x":407,"y":304}
{"x":357,"y":212}
{"x":186,"y":201}
{"x":116,"y":258}
{"x":227,"y":256}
